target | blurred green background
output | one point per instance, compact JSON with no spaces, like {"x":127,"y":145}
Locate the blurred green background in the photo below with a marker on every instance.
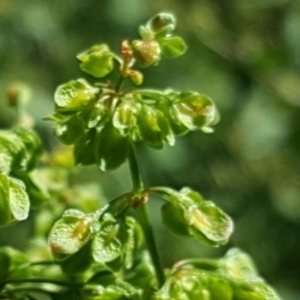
{"x":244,"y":54}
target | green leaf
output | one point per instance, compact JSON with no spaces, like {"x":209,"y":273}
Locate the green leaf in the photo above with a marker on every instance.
{"x":12,"y":151}
{"x":78,"y":262}
{"x":69,"y":131}
{"x":172,"y":47}
{"x":4,"y":266}
{"x":5,"y":213}
{"x":20,"y":148}
{"x":32,"y":144}
{"x":34,"y":187}
{"x":74,"y":95}
{"x":18,"y":199}
{"x":142,"y":273}
{"x":84,"y":150}
{"x":111,"y":149}
{"x":71,"y":232}
{"x":97,"y":61}
{"x":10,"y":260}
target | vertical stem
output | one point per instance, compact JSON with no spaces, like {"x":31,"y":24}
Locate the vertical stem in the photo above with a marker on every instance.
{"x":144,"y":218}
{"x":151,"y":243}
{"x":119,"y":83}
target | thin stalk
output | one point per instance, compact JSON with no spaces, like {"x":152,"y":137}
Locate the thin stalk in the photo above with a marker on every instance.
{"x":144,"y":218}
{"x":119,"y":83}
{"x":42,"y":280}
{"x":136,"y":177}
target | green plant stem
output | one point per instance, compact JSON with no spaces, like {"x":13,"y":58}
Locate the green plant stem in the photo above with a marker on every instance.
{"x":137,"y":181}
{"x":119,"y":83}
{"x":151,"y":243}
{"x":41,"y":280}
{"x":144,"y":218}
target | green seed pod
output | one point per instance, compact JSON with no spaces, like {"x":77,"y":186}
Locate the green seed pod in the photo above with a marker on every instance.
{"x":84,"y":149}
{"x":111,"y":148}
{"x":146,"y":53}
{"x":79,"y":261}
{"x":70,"y":131}
{"x":124,"y":118}
{"x":162,"y":22}
{"x":220,"y":290}
{"x":173,"y":218}
{"x":195,"y":111}
{"x":5,"y":213}
{"x":150,"y":132}
{"x":136,"y":77}
{"x":70,"y":233}
{"x":176,"y":126}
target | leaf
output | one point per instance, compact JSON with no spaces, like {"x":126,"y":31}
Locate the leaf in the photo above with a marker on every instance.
{"x":97,"y":61}
{"x":111,"y":149}
{"x":18,"y":199}
{"x":74,"y":95}
{"x":85,"y":149}
{"x":10,"y":260}
{"x":4,"y":265}
{"x":11,"y":151}
{"x":35,"y":189}
{"x":69,"y":131}
{"x":172,"y":47}
{"x":33,"y":146}
{"x":78,"y":262}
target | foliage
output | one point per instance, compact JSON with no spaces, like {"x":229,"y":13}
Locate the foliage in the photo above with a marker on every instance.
{"x":98,"y":253}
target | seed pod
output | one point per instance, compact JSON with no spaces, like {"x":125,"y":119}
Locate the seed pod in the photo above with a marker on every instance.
{"x":162,"y":22}
{"x":146,"y":53}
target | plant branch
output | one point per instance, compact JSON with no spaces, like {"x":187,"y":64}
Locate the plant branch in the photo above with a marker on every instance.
{"x":144,"y":218}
